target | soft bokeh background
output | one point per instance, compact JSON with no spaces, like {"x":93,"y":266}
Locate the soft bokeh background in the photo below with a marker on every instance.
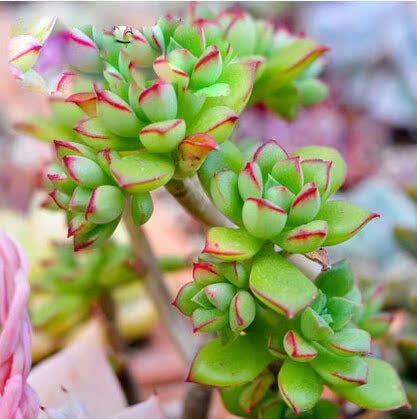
{"x":370,"y":116}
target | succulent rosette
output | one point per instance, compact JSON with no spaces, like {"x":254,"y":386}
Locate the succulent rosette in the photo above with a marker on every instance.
{"x":277,"y":328}
{"x":283,"y":199}
{"x":288,"y":63}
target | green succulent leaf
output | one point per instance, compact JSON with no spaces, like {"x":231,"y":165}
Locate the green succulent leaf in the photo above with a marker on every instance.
{"x":340,"y":370}
{"x":299,"y":385}
{"x":280,"y":285}
{"x":338,"y":167}
{"x":231,"y":244}
{"x":344,"y":220}
{"x":383,"y":390}
{"x":337,"y":281}
{"x":350,"y":342}
{"x":143,"y":172}
{"x":232,"y":365}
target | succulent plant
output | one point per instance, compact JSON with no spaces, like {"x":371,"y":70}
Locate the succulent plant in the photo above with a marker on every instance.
{"x":284,"y":198}
{"x":310,"y":333}
{"x":138,"y":108}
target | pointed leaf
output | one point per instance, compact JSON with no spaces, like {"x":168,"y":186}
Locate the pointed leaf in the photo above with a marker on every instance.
{"x":143,"y":172}
{"x":250,"y":181}
{"x":299,"y":385}
{"x":288,"y":173}
{"x":314,"y":327}
{"x":205,"y":273}
{"x":231,"y":365}
{"x":207,"y":69}
{"x":116,"y":115}
{"x":208,"y":320}
{"x":268,"y":154}
{"x":217,"y":121}
{"x":280,"y":285}
{"x":242,"y":311}
{"x":337,"y":170}
{"x":163,"y":137}
{"x":383,"y":391}
{"x":337,"y":281}
{"x":262,"y":218}
{"x":105,"y":205}
{"x":225,"y":194}
{"x":235,"y":273}
{"x":305,"y":206}
{"x":183,"y":301}
{"x":350,"y":342}
{"x":344,"y":220}
{"x":340,"y":370}
{"x":231,"y":244}
{"x":303,"y":239}
{"x":298,"y":348}
{"x":220,"y":295}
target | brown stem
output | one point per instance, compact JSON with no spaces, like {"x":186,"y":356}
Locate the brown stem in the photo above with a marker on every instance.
{"x":190,"y":195}
{"x":176,"y":326}
{"x":117,"y":345}
{"x":197,"y":402}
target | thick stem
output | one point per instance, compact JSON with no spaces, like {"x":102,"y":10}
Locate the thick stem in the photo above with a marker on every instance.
{"x":176,"y":326}
{"x":117,"y":345}
{"x":197,"y":402}
{"x":190,"y":195}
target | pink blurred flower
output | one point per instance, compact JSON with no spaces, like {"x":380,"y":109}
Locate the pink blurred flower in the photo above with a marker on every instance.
{"x":17,"y":399}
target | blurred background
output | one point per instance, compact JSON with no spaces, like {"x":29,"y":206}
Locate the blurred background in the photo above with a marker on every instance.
{"x":370,"y":116}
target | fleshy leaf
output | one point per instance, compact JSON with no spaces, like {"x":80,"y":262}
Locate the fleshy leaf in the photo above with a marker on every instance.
{"x":205,"y":273}
{"x":340,"y":370}
{"x":383,"y":391}
{"x":231,"y":365}
{"x":268,"y":154}
{"x":250,"y":181}
{"x":231,"y":244}
{"x":288,"y":173}
{"x":105,"y":205}
{"x":337,"y":281}
{"x":337,"y":170}
{"x":207,"y":69}
{"x":183,"y":301}
{"x":298,"y":348}
{"x":220,"y":295}
{"x":313,"y":326}
{"x":225,"y":194}
{"x":299,"y":385}
{"x":305,"y":206}
{"x":280,"y":285}
{"x":208,"y":320}
{"x":143,"y":172}
{"x":303,"y":239}
{"x":262,"y":218}
{"x":242,"y":311}
{"x":163,"y":137}
{"x":217,"y":121}
{"x":116,"y":115}
{"x":344,"y":220}
{"x":235,"y":273}
{"x":141,"y":207}
{"x":350,"y":342}
{"x":240,"y":77}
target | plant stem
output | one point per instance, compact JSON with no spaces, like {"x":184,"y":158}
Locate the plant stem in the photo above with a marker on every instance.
{"x":197,"y":402}
{"x":176,"y":326}
{"x":117,"y":345}
{"x":190,"y":195}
